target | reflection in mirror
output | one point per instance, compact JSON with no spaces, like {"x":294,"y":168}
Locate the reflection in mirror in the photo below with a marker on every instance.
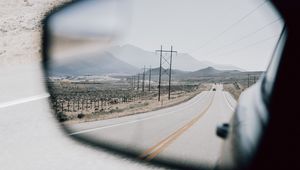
{"x":154,"y":78}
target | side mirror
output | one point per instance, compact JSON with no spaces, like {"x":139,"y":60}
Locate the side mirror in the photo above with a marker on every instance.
{"x":222,"y":130}
{"x":116,"y":82}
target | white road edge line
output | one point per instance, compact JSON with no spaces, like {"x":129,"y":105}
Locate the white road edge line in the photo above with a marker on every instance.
{"x":227,"y":102}
{"x":137,"y":120}
{"x":23,"y":100}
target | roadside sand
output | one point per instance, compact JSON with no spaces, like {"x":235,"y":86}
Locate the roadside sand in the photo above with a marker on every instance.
{"x":20,"y":29}
{"x":234,"y":90}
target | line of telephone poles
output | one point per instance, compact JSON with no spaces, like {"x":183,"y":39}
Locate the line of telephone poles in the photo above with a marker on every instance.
{"x":141,"y":78}
{"x":253,"y":81}
{"x":164,"y":59}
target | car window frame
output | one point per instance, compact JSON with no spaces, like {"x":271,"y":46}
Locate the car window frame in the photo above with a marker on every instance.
{"x":270,"y":75}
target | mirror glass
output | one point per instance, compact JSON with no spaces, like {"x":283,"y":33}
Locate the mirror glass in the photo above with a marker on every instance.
{"x":155,"y":78}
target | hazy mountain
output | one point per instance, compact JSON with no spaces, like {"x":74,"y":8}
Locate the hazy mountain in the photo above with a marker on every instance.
{"x":186,"y":62}
{"x":199,"y":74}
{"x":182,"y":61}
{"x":209,"y":71}
{"x":222,"y":66}
{"x":212,"y":72}
{"x":135,"y":56}
{"x":94,"y":64}
{"x":140,"y":58}
{"x":155,"y":71}
{"x":128,"y":60}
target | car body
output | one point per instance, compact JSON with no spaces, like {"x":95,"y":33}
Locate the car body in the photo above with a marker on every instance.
{"x":264,"y":121}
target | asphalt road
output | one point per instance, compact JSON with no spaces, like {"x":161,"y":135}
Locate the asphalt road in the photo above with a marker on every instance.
{"x":185,"y":132}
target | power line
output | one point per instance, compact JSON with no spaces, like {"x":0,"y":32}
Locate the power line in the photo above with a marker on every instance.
{"x":244,"y":37}
{"x":250,"y":45}
{"x":230,"y":27}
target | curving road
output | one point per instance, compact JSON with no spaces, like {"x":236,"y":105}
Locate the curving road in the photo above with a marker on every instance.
{"x":185,"y":132}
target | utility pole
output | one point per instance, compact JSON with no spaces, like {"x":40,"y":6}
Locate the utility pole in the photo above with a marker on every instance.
{"x":160,"y":69}
{"x":143,"y":85}
{"x":138,"y":82}
{"x":149,"y":78}
{"x":133,"y":82}
{"x":170,"y":73}
{"x":248,"y":80}
{"x":159,"y":79}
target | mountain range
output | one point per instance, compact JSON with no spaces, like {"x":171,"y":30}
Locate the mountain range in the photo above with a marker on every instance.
{"x":206,"y":72}
{"x":130,"y":60}
{"x":139,"y":58}
{"x":92,"y":64}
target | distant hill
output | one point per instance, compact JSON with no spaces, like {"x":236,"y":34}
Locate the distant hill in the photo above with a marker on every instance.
{"x":93,"y":64}
{"x":129,"y":60}
{"x":135,"y":56}
{"x":209,"y":71}
{"x":223,"y":66}
{"x":182,"y":61}
{"x":206,"y":72}
{"x":139,"y":57}
{"x":213,"y":74}
{"x":155,"y":71}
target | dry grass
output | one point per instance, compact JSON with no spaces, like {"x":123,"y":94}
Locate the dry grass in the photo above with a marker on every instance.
{"x":142,"y":106}
{"x":235,"y":89}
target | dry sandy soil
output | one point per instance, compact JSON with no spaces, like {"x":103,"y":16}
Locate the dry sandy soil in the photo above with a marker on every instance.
{"x":234,"y":90}
{"x":20,"y":29}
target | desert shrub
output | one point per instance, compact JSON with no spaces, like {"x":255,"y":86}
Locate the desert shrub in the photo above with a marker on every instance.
{"x":61,"y":117}
{"x":119,"y":110}
{"x":80,"y":115}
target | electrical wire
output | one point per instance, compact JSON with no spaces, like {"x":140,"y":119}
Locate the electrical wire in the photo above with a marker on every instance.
{"x":244,"y":37}
{"x":250,"y":45}
{"x":230,"y":27}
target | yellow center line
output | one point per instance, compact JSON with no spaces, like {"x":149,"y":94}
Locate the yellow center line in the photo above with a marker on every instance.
{"x":153,"y":151}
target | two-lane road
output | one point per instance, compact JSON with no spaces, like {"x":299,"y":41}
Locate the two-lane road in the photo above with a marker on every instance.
{"x":185,"y":132}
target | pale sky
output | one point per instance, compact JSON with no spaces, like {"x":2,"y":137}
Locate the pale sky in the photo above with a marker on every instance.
{"x":242,"y":33}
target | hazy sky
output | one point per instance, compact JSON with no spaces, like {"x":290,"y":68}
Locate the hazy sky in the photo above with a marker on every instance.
{"x":237,"y":32}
